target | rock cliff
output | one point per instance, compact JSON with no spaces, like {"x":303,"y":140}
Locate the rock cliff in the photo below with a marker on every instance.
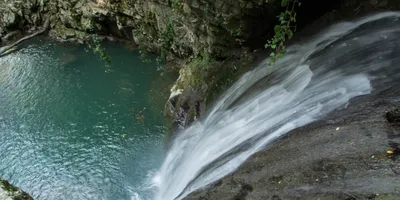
{"x":319,"y":162}
{"x":176,"y":28}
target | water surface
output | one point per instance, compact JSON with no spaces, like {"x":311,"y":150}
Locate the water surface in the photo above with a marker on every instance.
{"x":69,"y":130}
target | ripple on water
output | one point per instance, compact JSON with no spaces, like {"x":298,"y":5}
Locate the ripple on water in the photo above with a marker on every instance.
{"x":66,"y":126}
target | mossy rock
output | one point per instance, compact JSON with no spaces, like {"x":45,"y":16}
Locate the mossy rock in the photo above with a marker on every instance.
{"x":10,"y":192}
{"x":66,"y":34}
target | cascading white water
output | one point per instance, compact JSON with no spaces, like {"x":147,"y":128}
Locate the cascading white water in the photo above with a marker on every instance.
{"x":312,"y":80}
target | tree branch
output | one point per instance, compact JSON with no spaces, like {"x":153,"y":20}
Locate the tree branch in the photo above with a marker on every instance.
{"x":4,"y":49}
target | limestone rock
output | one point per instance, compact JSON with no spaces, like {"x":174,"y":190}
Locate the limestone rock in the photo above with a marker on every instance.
{"x":199,"y":27}
{"x":10,"y":192}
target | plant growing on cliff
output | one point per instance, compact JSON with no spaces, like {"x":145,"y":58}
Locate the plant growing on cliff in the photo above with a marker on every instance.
{"x":176,"y":5}
{"x":95,"y":46}
{"x":198,"y":68}
{"x":166,"y":37}
{"x":284,"y":30}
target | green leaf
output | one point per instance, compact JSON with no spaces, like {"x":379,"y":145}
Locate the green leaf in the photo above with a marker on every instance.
{"x":273,"y":46}
{"x":290,"y":34}
{"x":277,"y":28}
{"x":272,"y":54}
{"x":284,"y":3}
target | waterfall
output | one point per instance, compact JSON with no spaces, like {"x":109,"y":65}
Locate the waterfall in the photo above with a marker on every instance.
{"x":314,"y":78}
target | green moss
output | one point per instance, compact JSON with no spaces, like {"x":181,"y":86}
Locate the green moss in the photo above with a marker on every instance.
{"x":225,"y":75}
{"x":210,"y":78}
{"x":167,"y":38}
{"x":199,"y":69}
{"x":177,"y":6}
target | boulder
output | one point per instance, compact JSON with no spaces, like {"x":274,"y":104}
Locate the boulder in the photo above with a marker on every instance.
{"x":10,"y":192}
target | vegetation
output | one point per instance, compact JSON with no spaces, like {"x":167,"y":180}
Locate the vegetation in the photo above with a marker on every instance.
{"x":176,"y":5}
{"x":167,"y":38}
{"x":198,"y":68}
{"x":284,"y":30}
{"x":95,"y":46}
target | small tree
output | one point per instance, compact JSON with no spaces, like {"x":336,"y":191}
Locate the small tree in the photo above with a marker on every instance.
{"x":284,"y":30}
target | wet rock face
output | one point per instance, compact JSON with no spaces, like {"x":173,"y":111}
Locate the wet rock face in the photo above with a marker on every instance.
{"x":393,"y":116}
{"x":10,"y":192}
{"x":360,"y":160}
